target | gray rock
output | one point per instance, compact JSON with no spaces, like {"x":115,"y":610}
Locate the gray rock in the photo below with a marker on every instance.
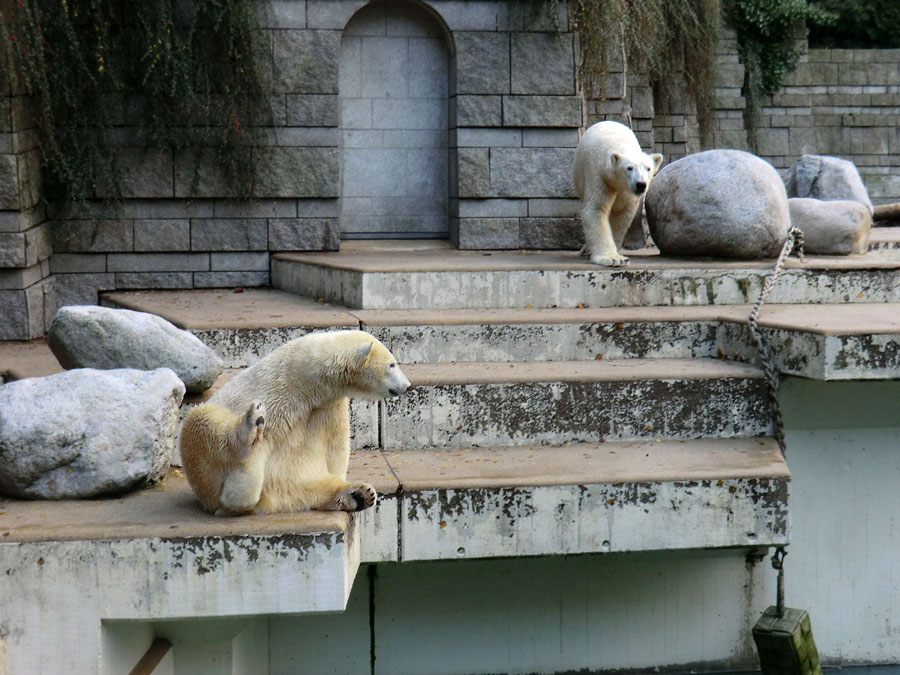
{"x":84,"y":433}
{"x":826,"y":178}
{"x":87,"y":336}
{"x":832,"y":227}
{"x":720,"y":203}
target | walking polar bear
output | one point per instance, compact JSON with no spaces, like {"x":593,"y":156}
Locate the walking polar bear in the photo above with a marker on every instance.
{"x":611,"y":175}
{"x":277,"y":436}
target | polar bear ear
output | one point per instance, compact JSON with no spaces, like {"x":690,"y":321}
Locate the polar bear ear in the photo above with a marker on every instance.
{"x":657,"y":160}
{"x":614,"y":159}
{"x":362,"y":352}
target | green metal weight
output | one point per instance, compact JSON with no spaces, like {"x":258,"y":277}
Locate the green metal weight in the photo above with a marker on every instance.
{"x":784,"y":636}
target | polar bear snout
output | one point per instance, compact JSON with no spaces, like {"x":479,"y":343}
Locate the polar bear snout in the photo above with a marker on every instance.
{"x":397,"y":382}
{"x":640,"y":187}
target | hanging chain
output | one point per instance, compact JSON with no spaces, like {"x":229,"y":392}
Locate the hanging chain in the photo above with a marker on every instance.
{"x":793,"y":243}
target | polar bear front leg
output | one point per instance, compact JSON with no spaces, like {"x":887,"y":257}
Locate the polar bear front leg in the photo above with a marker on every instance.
{"x":598,"y":237}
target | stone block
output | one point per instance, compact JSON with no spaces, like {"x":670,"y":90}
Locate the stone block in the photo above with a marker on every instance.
{"x":532,"y":172}
{"x":304,"y":234}
{"x":333,"y":14}
{"x":197,"y":173}
{"x":312,"y":110}
{"x":488,"y":233}
{"x":869,"y":141}
{"x":317,"y":208}
{"x":38,"y":245}
{"x":482,"y":63}
{"x":154,"y":280}
{"x":303,"y":137}
{"x":541,"y":111}
{"x":92,"y":236}
{"x":488,"y":138}
{"x":534,"y":16}
{"x":157,"y":262}
{"x":12,"y":249}
{"x":23,"y":314}
{"x":256,"y":208}
{"x":6,"y":144}
{"x":239,"y":262}
{"x":549,"y":138}
{"x":550,"y":233}
{"x":409,"y":113}
{"x":232,"y":234}
{"x":479,"y":111}
{"x":297,"y":172}
{"x":306,"y":61}
{"x":9,"y":183}
{"x":165,"y":234}
{"x":230,"y":279}
{"x":146,"y":173}
{"x":21,"y":278}
{"x":493,"y":208}
{"x":78,"y":263}
{"x":282,"y":14}
{"x":82,"y":289}
{"x":542,"y":63}
{"x":554,"y":208}
{"x":464,"y":15}
{"x":474,"y":172}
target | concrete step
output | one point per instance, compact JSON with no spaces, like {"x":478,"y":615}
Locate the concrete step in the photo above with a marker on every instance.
{"x":884,"y":242}
{"x":828,"y":342}
{"x":551,"y":403}
{"x":581,"y":498}
{"x":447,"y":279}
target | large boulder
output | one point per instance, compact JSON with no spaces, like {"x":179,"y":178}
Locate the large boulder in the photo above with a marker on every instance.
{"x":88,"y":336}
{"x":719,"y":203}
{"x":84,"y":433}
{"x":826,"y":178}
{"x":832,"y":228}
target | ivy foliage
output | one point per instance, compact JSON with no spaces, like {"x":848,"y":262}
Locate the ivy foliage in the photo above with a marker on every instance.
{"x":860,"y":24}
{"x":164,"y":75}
{"x":770,"y":39}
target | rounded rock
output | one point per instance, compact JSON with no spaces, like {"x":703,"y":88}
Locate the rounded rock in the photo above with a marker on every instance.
{"x":718,"y":203}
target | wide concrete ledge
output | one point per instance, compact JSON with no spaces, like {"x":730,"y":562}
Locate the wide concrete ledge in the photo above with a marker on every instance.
{"x":441,"y":279}
{"x":588,"y":498}
{"x":553,"y":403}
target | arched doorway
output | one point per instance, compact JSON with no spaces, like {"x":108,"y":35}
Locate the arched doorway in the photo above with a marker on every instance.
{"x":393,"y":87}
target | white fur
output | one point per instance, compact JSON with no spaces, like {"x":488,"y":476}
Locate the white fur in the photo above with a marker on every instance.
{"x":277,"y":436}
{"x":611,"y":175}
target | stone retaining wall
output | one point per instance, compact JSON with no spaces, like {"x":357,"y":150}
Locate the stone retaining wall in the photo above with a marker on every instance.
{"x":512,"y":119}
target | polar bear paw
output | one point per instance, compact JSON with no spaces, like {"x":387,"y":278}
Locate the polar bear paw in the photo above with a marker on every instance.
{"x":255,"y":422}
{"x":357,"y":497}
{"x":614,"y":260}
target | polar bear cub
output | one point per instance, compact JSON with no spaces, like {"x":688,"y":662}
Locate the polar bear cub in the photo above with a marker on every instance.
{"x":611,"y":175}
{"x":276,"y":437}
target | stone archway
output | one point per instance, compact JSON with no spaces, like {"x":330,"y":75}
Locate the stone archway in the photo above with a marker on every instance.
{"x":393,"y":85}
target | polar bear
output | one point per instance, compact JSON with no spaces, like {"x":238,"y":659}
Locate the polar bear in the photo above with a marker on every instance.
{"x":611,"y":175}
{"x":276,"y":437}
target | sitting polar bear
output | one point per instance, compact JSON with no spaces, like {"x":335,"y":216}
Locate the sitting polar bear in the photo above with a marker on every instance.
{"x":277,"y":436}
{"x":611,"y":175}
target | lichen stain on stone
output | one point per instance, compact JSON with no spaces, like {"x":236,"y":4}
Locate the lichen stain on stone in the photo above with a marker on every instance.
{"x":417,"y":501}
{"x":632,"y":494}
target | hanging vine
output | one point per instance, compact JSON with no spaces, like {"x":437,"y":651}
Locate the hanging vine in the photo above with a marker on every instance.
{"x":672,"y":41}
{"x":767,"y":33}
{"x":161,"y":74}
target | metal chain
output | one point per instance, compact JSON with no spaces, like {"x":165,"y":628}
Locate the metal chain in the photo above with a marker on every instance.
{"x":793,"y":243}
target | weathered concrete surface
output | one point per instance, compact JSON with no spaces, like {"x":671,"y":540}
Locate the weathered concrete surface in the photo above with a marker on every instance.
{"x":550,"y":403}
{"x":27,"y":359}
{"x":440,"y":279}
{"x":166,"y":559}
{"x":529,"y":500}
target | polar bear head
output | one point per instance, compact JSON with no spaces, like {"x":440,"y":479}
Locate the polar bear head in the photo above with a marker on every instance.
{"x":634,"y":172}
{"x":370,"y":370}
